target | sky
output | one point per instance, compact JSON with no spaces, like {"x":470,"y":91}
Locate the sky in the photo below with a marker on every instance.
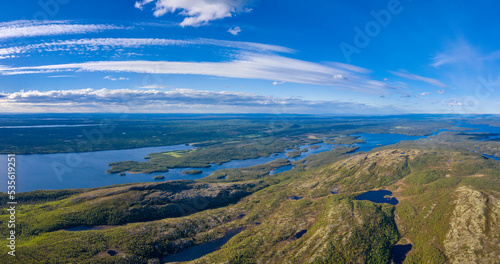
{"x":250,"y":56}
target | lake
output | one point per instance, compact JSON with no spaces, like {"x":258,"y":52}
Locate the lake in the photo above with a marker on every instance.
{"x":378,"y":197}
{"x":88,"y":170}
{"x":487,"y":129}
{"x":378,"y":140}
{"x":76,"y":170}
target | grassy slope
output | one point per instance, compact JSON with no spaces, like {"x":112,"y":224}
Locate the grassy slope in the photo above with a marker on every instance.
{"x":433,"y":187}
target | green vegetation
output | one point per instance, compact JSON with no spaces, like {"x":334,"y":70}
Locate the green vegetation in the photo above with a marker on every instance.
{"x":41,"y":196}
{"x":126,"y":204}
{"x":368,"y":242}
{"x":248,"y":173}
{"x":178,"y":153}
{"x":192,"y":172}
{"x":323,"y":158}
{"x":448,"y":210}
{"x":428,"y":218}
{"x":424,"y":177}
{"x":159,"y":177}
{"x":203,"y":156}
{"x":146,"y":221}
{"x":345,"y":140}
{"x":296,"y":153}
{"x":108,"y":131}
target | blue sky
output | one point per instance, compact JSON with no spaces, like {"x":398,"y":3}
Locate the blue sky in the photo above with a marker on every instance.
{"x":244,"y":56}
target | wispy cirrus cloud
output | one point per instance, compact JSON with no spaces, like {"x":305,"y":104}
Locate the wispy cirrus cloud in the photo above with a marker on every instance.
{"x":35,"y":28}
{"x":246,"y":65}
{"x":197,"y":12}
{"x":61,"y":76}
{"x":177,"y":100}
{"x":471,"y":69}
{"x":23,"y":72}
{"x":91,"y":44}
{"x":461,"y":52}
{"x":411,"y":76}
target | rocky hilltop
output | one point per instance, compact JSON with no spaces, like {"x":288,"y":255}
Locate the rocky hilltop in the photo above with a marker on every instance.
{"x":448,"y":210}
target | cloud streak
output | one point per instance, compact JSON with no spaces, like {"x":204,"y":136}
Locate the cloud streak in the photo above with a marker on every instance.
{"x":197,"y":12}
{"x":461,"y":52}
{"x":411,"y":76}
{"x":111,"y":78}
{"x":91,"y":44}
{"x":247,"y":65}
{"x":32,"y":28}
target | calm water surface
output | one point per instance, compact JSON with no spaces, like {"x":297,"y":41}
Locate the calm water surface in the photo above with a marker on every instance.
{"x":492,"y":157}
{"x":88,"y":170}
{"x":399,"y":252}
{"x":378,"y":197}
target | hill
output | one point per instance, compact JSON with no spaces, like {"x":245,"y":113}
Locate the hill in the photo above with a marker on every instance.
{"x":448,"y":209}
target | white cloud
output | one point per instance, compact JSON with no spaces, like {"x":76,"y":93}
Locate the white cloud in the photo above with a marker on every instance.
{"x":32,"y":28}
{"x":441,"y":91}
{"x":338,"y":77}
{"x":454,"y":103}
{"x":111,"y":78}
{"x":139,"y":5}
{"x":424,"y":93}
{"x":348,"y":67}
{"x":61,"y":76}
{"x":197,"y":12}
{"x":411,"y":76}
{"x":244,"y":45}
{"x":94,"y":44}
{"x":235,"y":31}
{"x":178,"y":100}
{"x":247,"y":66}
{"x":278,"y":83}
{"x":22,"y":72}
{"x":155,"y":86}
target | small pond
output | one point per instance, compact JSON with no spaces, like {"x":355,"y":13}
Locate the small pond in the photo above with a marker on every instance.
{"x":399,"y":252}
{"x":380,"y":196}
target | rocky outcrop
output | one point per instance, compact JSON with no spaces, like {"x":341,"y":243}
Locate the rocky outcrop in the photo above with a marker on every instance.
{"x":474,"y":227}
